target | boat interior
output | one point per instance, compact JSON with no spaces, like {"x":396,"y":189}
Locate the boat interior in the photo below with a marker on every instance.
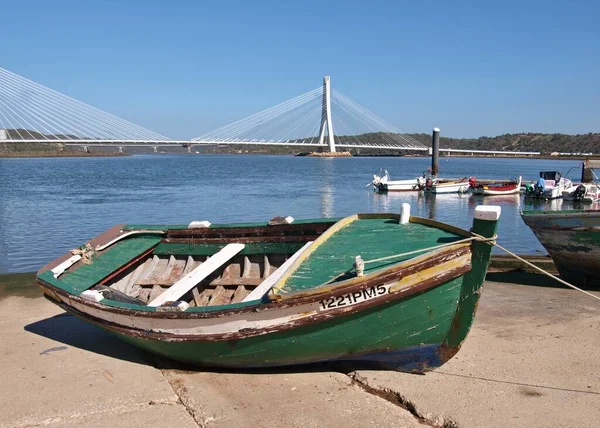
{"x":166,"y":266}
{"x":219,"y":265}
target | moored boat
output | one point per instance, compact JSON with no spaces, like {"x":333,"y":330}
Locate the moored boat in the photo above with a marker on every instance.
{"x":259,"y":295}
{"x":586,"y":192}
{"x":434,"y":186}
{"x":572,"y":238}
{"x":550,"y":185}
{"x":382,"y":182}
{"x":509,"y":187}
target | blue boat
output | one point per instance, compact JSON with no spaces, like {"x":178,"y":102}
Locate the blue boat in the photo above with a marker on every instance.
{"x":572,"y":238}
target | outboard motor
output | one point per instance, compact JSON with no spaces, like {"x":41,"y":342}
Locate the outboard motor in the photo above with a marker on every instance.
{"x":579,"y":193}
{"x":538,"y":188}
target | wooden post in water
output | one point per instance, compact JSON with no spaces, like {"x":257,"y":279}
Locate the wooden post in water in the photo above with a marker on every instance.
{"x":435,"y":151}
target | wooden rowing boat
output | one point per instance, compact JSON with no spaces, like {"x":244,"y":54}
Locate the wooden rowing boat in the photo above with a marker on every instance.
{"x":572,"y":238}
{"x":510,"y":187}
{"x":259,"y":295}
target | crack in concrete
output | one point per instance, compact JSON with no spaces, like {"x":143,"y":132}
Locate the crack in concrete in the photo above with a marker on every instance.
{"x":193,"y":409}
{"x":399,"y":400}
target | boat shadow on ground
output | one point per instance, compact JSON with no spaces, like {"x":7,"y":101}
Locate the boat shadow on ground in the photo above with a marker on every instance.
{"x":72,"y":331}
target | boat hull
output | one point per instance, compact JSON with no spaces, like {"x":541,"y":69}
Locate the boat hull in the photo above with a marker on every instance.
{"x":394,"y":186}
{"x":398,"y":336}
{"x":411,"y":315}
{"x":586,"y":193}
{"x":442,"y":188}
{"x":397,"y":185}
{"x":495,"y":192}
{"x":572,"y":238}
{"x":497,"y":189}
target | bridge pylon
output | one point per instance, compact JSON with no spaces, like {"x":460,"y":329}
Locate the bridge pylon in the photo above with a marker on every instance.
{"x":326,"y":123}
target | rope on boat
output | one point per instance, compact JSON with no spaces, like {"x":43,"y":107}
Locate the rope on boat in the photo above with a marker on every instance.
{"x":475,"y":237}
{"x":86,"y":252}
{"x":490,"y":241}
{"x":510,"y":253}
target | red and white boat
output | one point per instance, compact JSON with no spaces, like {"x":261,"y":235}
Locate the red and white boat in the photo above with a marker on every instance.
{"x":496,"y":188}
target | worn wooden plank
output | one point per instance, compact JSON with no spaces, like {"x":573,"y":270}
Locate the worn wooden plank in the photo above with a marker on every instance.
{"x":177,"y":290}
{"x":157,"y":272}
{"x":203,"y":249}
{"x":156,"y":291}
{"x":247,"y":282}
{"x":205,"y":296}
{"x":196,"y":294}
{"x":239,"y":294}
{"x":266,"y":285}
{"x":221,"y":296}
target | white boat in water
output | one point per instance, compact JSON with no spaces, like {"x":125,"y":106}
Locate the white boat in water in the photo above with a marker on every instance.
{"x":589,"y":193}
{"x":550,"y":185}
{"x":382,"y":182}
{"x":436,"y":187}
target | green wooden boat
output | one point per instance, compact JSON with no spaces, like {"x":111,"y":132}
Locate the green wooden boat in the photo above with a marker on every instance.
{"x":266,"y":295}
{"x":572,"y":238}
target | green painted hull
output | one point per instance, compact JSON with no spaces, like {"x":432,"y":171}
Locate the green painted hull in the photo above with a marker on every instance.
{"x":422,"y":320}
{"x":572,"y":238}
{"x":417,"y":322}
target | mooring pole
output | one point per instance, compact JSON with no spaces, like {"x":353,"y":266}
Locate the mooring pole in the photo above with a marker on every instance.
{"x":435,"y":151}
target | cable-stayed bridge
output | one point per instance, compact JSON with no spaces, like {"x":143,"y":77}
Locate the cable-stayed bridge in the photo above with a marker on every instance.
{"x":323,"y":118}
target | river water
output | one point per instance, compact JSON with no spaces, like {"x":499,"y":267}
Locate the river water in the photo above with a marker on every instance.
{"x":51,"y":205}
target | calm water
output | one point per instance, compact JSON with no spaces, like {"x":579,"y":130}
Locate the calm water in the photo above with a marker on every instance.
{"x":48,"y":206}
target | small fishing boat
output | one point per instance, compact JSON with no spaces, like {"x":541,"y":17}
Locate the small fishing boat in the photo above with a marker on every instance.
{"x":391,"y":290}
{"x":434,"y":186}
{"x":509,"y":187}
{"x":572,"y":238}
{"x":550,"y":185}
{"x":382,"y":182}
{"x":586,"y":192}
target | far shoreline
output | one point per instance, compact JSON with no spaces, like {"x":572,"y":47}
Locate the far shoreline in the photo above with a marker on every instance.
{"x":61,"y":155}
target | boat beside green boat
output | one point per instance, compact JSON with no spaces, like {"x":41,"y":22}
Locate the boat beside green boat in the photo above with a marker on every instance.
{"x":390,"y":290}
{"x":572,"y":238}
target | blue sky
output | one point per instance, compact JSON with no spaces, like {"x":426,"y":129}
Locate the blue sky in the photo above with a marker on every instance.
{"x":182,"y":68}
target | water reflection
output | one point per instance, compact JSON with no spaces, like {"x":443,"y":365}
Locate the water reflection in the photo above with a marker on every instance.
{"x":541,"y":204}
{"x":507,"y":200}
{"x":327,"y":190}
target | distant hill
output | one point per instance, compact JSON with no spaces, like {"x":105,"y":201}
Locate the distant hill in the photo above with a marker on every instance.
{"x":525,"y":142}
{"x":529,"y":142}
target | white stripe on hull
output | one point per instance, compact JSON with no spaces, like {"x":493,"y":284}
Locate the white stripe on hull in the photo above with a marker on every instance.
{"x":263,"y":319}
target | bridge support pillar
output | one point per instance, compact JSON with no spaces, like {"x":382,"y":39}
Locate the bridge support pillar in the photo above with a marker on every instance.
{"x":85,"y":149}
{"x":155,"y":149}
{"x":120,"y":149}
{"x":326,"y":116}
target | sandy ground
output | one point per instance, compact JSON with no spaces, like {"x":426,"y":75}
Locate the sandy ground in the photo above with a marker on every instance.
{"x":532,"y":359}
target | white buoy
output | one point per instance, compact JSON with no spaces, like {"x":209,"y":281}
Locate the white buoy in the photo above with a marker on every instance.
{"x":405,"y":213}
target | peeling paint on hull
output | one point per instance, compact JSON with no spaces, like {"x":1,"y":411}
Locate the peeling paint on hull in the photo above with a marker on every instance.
{"x":572,"y":238}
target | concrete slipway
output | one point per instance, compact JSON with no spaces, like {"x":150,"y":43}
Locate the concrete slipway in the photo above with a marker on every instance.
{"x":532,"y":359}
